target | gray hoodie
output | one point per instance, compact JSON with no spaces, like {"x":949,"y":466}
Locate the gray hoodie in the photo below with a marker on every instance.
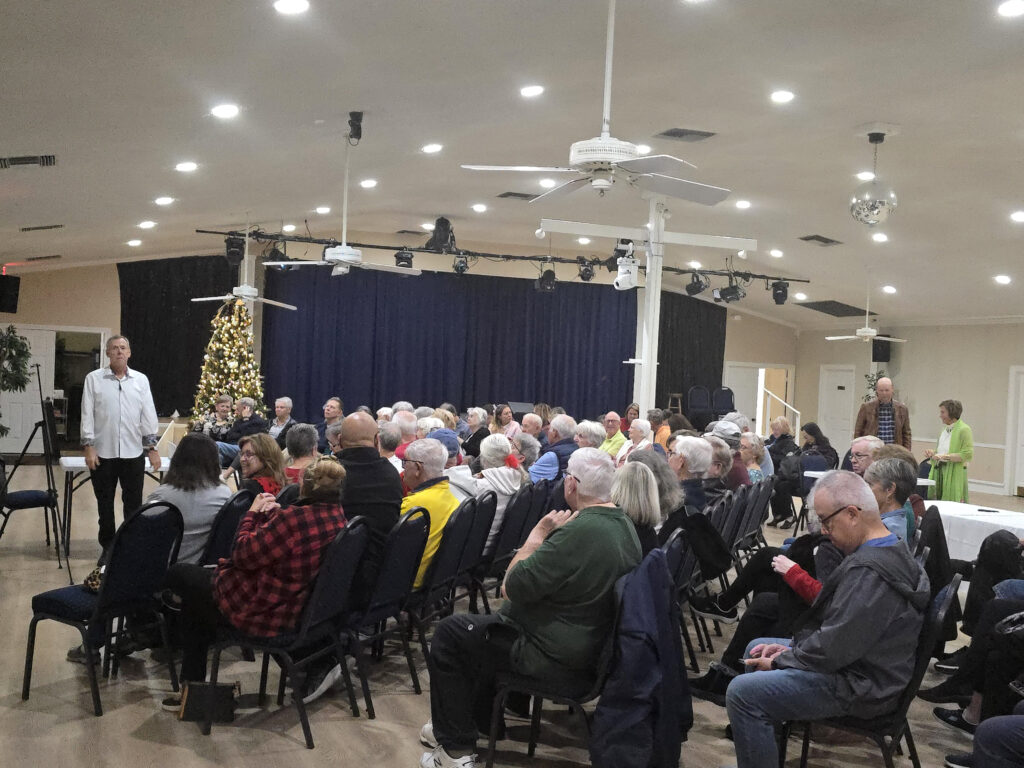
{"x":864,"y":627}
{"x":504,"y":481}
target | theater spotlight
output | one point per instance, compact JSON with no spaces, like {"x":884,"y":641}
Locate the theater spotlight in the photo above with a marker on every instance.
{"x":546,"y":282}
{"x":234,"y":250}
{"x":698,"y":284}
{"x":355,"y":125}
{"x":586,"y":269}
{"x":780,"y":291}
{"x":403,"y":258}
{"x":730,"y":293}
{"x":460,"y":264}
{"x":443,"y":238}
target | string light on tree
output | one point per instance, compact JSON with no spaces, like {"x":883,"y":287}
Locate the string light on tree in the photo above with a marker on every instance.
{"x":229,"y":365}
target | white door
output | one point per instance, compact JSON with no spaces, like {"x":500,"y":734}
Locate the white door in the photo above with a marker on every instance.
{"x":837,"y":404}
{"x":20,"y":410}
{"x":742,"y":380}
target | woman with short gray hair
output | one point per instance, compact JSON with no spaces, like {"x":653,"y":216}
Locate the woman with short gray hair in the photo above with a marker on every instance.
{"x":476,"y":418}
{"x":301,"y":443}
{"x":589,"y":434}
{"x":639,"y":440}
{"x":635,"y":491}
{"x":892,"y":481}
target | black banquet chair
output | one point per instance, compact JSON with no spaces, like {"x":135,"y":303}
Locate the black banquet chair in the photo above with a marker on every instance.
{"x":143,"y":548}
{"x":225,"y":526}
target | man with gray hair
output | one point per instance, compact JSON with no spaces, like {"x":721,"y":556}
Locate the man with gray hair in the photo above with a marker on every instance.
{"x":283,"y":420}
{"x":555,"y":458}
{"x":247,"y":422}
{"x":533,"y":425}
{"x":406,"y":421}
{"x":390,"y":439}
{"x":423,"y":464}
{"x":855,"y":651}
{"x":862,"y":453}
{"x":558,"y":612}
{"x":402,"y":405}
{"x":384,"y":415}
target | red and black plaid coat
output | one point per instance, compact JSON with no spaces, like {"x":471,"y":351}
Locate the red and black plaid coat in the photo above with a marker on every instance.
{"x":263,"y":589}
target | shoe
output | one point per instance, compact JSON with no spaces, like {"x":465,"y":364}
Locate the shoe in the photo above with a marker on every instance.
{"x":171,"y":704}
{"x":787,"y":523}
{"x":78,"y":655}
{"x":322,"y":681}
{"x":774,"y":521}
{"x":712,"y":685}
{"x":728,"y":732}
{"x":441,"y":759}
{"x":959,"y":760}
{"x":951,"y":663}
{"x":427,"y":735}
{"x":709,"y":608}
{"x":945,"y":693}
{"x":954,"y":718}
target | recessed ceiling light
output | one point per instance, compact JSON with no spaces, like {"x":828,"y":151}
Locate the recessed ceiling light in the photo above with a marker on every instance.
{"x":186,"y":167}
{"x":431,"y":149}
{"x":583,"y":240}
{"x":288,"y":228}
{"x":531,"y":91}
{"x":694,"y":264}
{"x":146,"y":224}
{"x":1011,"y":8}
{"x":880,"y":237}
{"x":642,"y":149}
{"x":427,"y":225}
{"x":776,"y":253}
{"x":1017,"y":216}
{"x":368,"y":183}
{"x":134,"y":243}
{"x":694,"y":2}
{"x":479,"y":207}
{"x":889,"y":289}
{"x":866,"y":175}
{"x":741,"y":254}
{"x":800,"y":296}
{"x":164,"y":200}
{"x":225,"y":111}
{"x":291,"y":7}
{"x":782,"y":97}
{"x":548,"y":183}
{"x":1002,"y":279}
{"x":743,"y":204}
{"x":323,"y":209}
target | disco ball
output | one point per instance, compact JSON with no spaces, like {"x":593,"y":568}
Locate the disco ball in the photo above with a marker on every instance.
{"x":872,"y":202}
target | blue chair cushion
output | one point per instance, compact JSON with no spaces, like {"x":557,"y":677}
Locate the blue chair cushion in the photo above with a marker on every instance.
{"x":75,"y":603}
{"x":27,"y":499}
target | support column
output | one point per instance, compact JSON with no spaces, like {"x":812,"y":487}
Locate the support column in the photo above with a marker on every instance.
{"x":647,"y":347}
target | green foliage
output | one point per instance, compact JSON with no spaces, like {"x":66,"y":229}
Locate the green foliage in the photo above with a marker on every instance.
{"x":229,"y":365}
{"x":872,"y":380}
{"x":15,"y":352}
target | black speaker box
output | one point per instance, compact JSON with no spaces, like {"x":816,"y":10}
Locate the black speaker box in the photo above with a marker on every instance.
{"x":9,"y":287}
{"x":880,"y":351}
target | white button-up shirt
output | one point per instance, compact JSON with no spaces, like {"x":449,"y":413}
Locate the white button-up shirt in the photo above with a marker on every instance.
{"x":118,"y":415}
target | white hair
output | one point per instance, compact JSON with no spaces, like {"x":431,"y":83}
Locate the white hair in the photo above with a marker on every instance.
{"x":739,"y":420}
{"x":873,"y":443}
{"x":591,"y":431}
{"x":402,"y":405}
{"x":248,"y":402}
{"x":286,"y":400}
{"x":493,"y":451}
{"x":385,"y":412}
{"x":696,"y":451}
{"x":529,"y":446}
{"x":643,"y":425}
{"x":635,"y":491}
{"x":594,"y":471}
{"x":532,"y":418}
{"x":564,"y":425}
{"x":480,"y":413}
{"x":423,"y":411}
{"x":431,"y":453}
{"x":428,"y":424}
{"x":406,"y":421}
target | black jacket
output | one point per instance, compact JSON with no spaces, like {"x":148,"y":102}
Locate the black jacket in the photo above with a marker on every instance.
{"x":245,"y":427}
{"x":472,"y":446}
{"x":780,"y":448}
{"x":284,"y":432}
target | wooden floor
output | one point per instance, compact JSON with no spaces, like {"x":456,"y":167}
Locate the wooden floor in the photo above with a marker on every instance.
{"x":56,"y":725}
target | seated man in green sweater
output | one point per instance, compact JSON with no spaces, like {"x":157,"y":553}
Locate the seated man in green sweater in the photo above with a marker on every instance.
{"x":559,"y":608}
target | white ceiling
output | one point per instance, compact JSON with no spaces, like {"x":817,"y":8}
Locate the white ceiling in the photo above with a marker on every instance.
{"x":123,"y":94}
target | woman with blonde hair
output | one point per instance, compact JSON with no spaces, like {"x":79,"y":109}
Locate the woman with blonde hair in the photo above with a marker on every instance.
{"x":635,"y":492}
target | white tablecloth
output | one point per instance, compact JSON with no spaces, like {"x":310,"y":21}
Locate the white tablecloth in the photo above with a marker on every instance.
{"x":77,"y":464}
{"x":967,"y":526}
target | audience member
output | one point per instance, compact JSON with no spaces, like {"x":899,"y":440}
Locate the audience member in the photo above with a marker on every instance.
{"x":691,"y":459}
{"x":333,"y":436}
{"x":677,"y":422}
{"x":500,"y":472}
{"x":639,"y":440}
{"x":504,"y":422}
{"x":589,"y":434}
{"x":423,"y":412}
{"x":862,"y":453}
{"x":407,"y":423}
{"x":815,"y":453}
{"x":670,"y":492}
{"x":659,"y":426}
{"x":632,"y":412}
{"x":892,"y":481}
{"x":544,"y":411}
{"x":559,"y":611}
{"x":741,"y":421}
{"x":333,"y":413}
{"x":635,"y":492}
{"x":527,"y":450}
{"x":262,"y":464}
{"x":424,"y":475}
{"x":247,"y":422}
{"x":717,"y":476}
{"x":461,"y":425}
{"x":752,"y":454}
{"x":461,"y":482}
{"x":533,"y":425}
{"x":402,"y":405}
{"x":384,"y":415}
{"x":282,"y":422}
{"x":301,"y":444}
{"x":561,"y":444}
{"x":884,"y":417}
{"x":781,"y":442}
{"x":217,"y":423}
{"x":476,"y":420}
{"x":736,"y":474}
{"x":390,"y":439}
{"x":614,"y":438}
{"x":427,"y":424}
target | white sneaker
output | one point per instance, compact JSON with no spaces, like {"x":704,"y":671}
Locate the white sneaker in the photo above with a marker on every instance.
{"x":441,"y":759}
{"x":332,"y":676}
{"x":427,"y":735}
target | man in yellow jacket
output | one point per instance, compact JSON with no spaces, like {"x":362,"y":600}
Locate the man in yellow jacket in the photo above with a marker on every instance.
{"x":424,"y":473}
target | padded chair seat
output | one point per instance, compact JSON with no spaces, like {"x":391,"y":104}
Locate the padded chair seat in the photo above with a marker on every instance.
{"x":75,"y":603}
{"x":874,"y":725}
{"x":568,"y":687}
{"x":27,"y":499}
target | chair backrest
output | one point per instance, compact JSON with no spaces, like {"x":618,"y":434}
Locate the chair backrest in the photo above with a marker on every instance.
{"x":758,"y":505}
{"x":718,"y":513}
{"x":445,"y":564}
{"x":733,"y":522}
{"x":143,"y":548}
{"x":483,"y":518}
{"x":538,"y":508}
{"x":698,"y":399}
{"x":225,"y":526}
{"x":332,"y":589}
{"x":556,"y":496}
{"x":723,"y":401}
{"x":811,"y":462}
{"x":922,"y":556}
{"x":403,"y":551}
{"x":516,"y":513}
{"x":289,"y":494}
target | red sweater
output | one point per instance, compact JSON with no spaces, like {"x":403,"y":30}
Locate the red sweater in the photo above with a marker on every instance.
{"x":806,"y":586}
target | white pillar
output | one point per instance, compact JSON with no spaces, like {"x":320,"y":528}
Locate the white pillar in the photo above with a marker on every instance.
{"x":647,"y":346}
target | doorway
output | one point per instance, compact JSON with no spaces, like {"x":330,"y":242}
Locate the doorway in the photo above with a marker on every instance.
{"x":77,"y":354}
{"x":837,"y":387}
{"x":745,"y":380}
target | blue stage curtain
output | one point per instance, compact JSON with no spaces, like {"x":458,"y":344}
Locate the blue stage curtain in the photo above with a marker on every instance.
{"x":691,"y":345}
{"x":373,"y":338}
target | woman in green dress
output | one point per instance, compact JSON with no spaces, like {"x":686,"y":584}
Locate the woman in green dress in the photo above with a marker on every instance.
{"x":950,"y":458}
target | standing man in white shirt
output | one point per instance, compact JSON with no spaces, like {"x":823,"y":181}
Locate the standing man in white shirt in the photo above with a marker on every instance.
{"x":119,"y":432}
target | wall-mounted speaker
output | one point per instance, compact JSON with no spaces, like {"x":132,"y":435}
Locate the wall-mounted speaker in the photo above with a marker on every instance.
{"x":10,"y":285}
{"x":880,"y":351}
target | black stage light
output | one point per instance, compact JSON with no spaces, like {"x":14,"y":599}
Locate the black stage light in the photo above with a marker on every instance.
{"x":355,"y":125}
{"x":460,"y":264}
{"x":234,"y":250}
{"x":730,"y":293}
{"x":780,"y":291}
{"x":546,"y":282}
{"x":403,"y":258}
{"x":698,"y":284}
{"x":586,"y":269}
{"x":443,"y":238}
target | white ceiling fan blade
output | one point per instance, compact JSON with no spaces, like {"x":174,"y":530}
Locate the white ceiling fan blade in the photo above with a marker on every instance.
{"x":226,"y":297}
{"x":563,"y":189}
{"x":393,"y":268}
{"x":276,"y":303}
{"x":705,"y":194}
{"x":842,"y":338}
{"x":666,"y":165}
{"x":296,"y":263}
{"x":522,"y":168}
{"x":890,"y":338}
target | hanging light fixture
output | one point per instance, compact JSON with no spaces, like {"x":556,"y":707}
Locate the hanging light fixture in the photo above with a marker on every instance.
{"x":873,"y":201}
{"x":586,"y":269}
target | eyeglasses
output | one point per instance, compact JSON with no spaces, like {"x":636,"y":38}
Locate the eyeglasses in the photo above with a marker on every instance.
{"x":247,"y":455}
{"x":411,"y":461}
{"x":860,"y":455}
{"x":826,"y":524}
{"x":567,"y":474}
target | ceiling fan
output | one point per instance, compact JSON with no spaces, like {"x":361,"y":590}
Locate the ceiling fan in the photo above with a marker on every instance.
{"x":601,"y":160}
{"x":343,"y":257}
{"x":237,"y":253}
{"x":867,"y":333}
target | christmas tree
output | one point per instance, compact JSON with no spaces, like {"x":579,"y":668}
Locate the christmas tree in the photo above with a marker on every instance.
{"x":229,"y":365}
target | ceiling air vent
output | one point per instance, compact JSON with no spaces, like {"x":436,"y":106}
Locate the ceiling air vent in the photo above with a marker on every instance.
{"x":821,"y":240}
{"x":43,"y":161}
{"x":833,"y":308}
{"x":685,"y":134}
{"x":42,"y":227}
{"x":518,"y":195}
{"x":43,"y":258}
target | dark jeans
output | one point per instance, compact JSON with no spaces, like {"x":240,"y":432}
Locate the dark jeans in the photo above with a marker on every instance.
{"x":761,"y":619}
{"x":999,"y":742}
{"x":199,"y":618}
{"x":466,"y":654}
{"x":130,"y":473}
{"x":757,"y":576}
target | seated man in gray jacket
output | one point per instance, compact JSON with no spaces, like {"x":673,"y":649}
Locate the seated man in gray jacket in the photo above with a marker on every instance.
{"x":855,"y":651}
